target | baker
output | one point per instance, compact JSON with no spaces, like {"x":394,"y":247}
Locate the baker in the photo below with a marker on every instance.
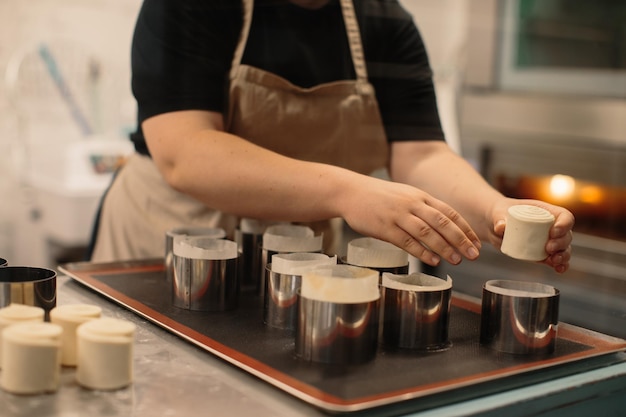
{"x":280,"y":110}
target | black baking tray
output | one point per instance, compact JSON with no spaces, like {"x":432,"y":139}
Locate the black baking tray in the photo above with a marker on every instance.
{"x":403,"y":379}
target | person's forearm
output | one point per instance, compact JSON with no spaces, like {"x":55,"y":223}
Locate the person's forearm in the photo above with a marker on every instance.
{"x":237,"y":177}
{"x":450,"y":178}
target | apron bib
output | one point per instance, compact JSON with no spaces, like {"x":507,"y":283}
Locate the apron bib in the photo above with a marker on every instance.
{"x":336,"y":123}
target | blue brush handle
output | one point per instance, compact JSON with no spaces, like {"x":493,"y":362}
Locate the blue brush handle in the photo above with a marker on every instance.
{"x":63,"y":88}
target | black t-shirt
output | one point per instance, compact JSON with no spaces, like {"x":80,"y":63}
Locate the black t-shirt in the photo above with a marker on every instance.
{"x":182,"y":52}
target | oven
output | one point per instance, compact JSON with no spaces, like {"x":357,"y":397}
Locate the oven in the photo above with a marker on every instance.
{"x":555,"y":142}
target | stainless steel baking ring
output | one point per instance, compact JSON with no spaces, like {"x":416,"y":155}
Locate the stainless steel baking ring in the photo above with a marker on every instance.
{"x":416,"y":311}
{"x":28,"y":285}
{"x":519,"y":317}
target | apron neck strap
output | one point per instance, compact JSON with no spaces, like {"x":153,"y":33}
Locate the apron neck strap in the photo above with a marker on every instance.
{"x":352,"y":31}
{"x":248,"y":6}
{"x":354,"y":39}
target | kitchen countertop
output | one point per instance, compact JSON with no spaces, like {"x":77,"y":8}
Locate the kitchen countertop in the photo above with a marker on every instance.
{"x":175,"y":378}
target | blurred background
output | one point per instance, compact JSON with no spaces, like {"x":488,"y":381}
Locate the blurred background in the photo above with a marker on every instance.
{"x":531,"y":92}
{"x":65,"y":113}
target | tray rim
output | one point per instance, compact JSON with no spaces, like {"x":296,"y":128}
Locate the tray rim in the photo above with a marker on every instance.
{"x":81,"y":272}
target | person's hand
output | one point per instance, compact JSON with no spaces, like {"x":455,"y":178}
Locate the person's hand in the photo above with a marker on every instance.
{"x":411,"y":219}
{"x":559,"y":243}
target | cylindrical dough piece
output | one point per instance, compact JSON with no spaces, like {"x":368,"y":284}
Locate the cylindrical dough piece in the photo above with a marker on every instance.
{"x":31,"y":356}
{"x":18,"y":313}
{"x":105,"y":353}
{"x":69,"y":317}
{"x":526,"y":233}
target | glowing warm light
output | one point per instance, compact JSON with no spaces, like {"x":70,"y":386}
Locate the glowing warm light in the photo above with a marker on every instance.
{"x":562,"y":186}
{"x":591,"y":194}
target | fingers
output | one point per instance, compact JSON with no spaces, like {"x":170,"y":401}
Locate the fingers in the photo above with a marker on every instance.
{"x":559,"y":245}
{"x":413,"y":246}
{"x":559,"y":251}
{"x":436,"y":231}
{"x":563,"y":225}
{"x":559,"y":260}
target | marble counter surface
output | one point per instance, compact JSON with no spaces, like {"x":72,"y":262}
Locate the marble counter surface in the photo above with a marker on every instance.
{"x":171,"y":378}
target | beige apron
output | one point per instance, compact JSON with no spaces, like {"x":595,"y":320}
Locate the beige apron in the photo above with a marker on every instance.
{"x":335,"y":123}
